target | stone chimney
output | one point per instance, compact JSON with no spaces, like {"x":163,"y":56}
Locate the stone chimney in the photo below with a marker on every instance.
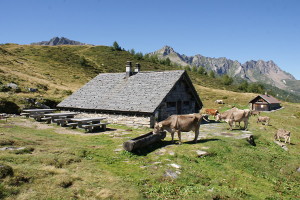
{"x":137,"y":68}
{"x":129,"y":71}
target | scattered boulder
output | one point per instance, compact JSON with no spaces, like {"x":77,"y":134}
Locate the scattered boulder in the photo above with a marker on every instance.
{"x":201,"y":153}
{"x":282,"y":145}
{"x":171,"y":174}
{"x":6,"y":170}
{"x":175,"y":165}
{"x":32,"y":89}
{"x":12,"y":85}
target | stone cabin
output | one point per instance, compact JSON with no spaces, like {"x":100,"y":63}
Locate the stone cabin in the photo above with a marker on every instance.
{"x":265,"y":103}
{"x":136,"y":97}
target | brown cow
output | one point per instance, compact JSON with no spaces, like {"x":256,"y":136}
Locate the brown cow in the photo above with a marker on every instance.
{"x":180,"y":123}
{"x":263,"y":119}
{"x":281,"y":133}
{"x":235,"y":115}
{"x":212,"y":112}
{"x":255,"y":112}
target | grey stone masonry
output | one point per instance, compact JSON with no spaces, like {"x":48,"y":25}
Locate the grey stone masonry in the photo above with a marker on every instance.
{"x":133,"y":121}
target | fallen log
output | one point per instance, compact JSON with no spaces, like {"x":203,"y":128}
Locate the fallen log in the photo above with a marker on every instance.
{"x":143,"y":141}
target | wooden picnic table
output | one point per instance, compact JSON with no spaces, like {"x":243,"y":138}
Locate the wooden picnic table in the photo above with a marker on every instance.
{"x":37,"y":114}
{"x":48,"y":110}
{"x":54,"y":116}
{"x":82,"y":121}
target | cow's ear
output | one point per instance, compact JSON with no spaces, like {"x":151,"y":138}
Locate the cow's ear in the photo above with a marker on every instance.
{"x":160,"y":125}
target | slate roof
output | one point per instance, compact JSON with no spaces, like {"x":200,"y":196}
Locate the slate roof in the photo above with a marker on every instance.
{"x":142,"y":92}
{"x":270,"y":99}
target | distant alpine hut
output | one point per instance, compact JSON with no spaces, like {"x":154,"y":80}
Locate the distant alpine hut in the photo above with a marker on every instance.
{"x":126,"y":97}
{"x":265,"y":103}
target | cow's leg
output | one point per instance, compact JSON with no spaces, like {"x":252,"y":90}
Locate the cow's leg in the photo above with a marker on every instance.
{"x":289,"y":139}
{"x":246,"y":125}
{"x":172,"y":135}
{"x":230,"y":125}
{"x":196,"y":135}
{"x":179,"y":136}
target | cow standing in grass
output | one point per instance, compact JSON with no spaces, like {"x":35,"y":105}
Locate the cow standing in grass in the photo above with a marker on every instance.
{"x":180,"y":123}
{"x":235,"y":115}
{"x":281,"y":133}
{"x":255,"y":112}
{"x":262,"y":119}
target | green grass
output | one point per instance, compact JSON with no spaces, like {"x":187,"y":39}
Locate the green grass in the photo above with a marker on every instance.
{"x":80,"y":166}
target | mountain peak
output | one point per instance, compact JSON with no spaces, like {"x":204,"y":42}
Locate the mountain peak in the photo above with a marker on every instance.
{"x":255,"y":70}
{"x":166,"y":50}
{"x":58,"y":41}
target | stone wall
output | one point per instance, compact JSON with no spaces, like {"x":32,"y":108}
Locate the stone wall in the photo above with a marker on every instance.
{"x":133,"y":121}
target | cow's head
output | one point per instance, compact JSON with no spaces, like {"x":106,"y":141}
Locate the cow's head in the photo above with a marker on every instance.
{"x":218,"y":117}
{"x":157,"y":128}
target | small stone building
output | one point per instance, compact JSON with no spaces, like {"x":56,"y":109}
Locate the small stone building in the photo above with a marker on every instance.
{"x":265,"y":103}
{"x":151,"y":95}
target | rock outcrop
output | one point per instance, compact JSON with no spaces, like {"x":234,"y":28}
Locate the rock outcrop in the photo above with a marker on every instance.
{"x":58,"y":41}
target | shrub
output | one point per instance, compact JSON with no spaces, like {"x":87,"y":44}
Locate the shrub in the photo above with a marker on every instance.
{"x":8,"y":107}
{"x":4,"y":88}
{"x":41,"y":86}
{"x":6,"y":170}
{"x":67,"y":92}
{"x":24,"y":151}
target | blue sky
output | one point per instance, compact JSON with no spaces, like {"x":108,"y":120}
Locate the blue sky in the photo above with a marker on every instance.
{"x":236,"y":29}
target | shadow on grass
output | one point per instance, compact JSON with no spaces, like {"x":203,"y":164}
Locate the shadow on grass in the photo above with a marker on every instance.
{"x":101,"y":130}
{"x":201,"y":141}
{"x":160,"y":144}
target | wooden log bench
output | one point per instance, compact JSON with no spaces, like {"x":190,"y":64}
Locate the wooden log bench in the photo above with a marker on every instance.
{"x":73,"y":125}
{"x":143,"y":141}
{"x":47,"y":119}
{"x":91,"y":127}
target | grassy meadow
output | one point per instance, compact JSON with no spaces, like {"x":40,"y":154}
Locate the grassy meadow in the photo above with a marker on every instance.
{"x":61,"y":163}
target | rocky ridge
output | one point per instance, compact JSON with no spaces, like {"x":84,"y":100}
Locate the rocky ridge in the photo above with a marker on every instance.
{"x":252,"y":71}
{"x":58,"y":41}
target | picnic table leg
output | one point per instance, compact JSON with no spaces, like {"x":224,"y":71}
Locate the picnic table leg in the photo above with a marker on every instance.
{"x":104,"y":127}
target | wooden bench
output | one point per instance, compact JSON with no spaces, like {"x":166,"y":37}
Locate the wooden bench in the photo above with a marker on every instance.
{"x":62,"y":121}
{"x":4,"y":116}
{"x":47,"y":119}
{"x":25,"y":114}
{"x":37,"y":117}
{"x":73,"y":125}
{"x":90,"y":127}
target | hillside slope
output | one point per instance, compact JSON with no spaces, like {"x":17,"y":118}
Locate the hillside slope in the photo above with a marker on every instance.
{"x":57,"y":71}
